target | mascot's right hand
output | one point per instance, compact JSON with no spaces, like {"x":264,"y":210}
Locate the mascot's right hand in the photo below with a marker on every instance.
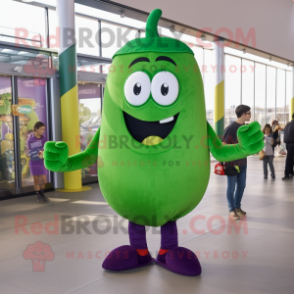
{"x":56,"y":156}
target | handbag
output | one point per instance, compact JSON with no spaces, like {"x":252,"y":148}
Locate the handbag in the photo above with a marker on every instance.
{"x":261,"y":155}
{"x":231,"y":170}
{"x":219,"y":169}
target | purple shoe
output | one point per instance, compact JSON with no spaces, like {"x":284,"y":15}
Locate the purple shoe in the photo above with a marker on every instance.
{"x":125,"y":257}
{"x":180,"y":260}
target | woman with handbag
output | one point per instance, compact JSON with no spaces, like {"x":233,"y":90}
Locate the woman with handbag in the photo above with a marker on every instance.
{"x":268,"y":151}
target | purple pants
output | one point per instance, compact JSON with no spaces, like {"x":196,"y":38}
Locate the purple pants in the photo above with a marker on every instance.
{"x":179,"y":260}
{"x":169,"y":236}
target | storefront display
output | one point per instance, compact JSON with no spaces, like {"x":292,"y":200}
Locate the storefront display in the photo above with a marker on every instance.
{"x":7,"y":174}
{"x":29,"y":107}
{"x":31,"y":92}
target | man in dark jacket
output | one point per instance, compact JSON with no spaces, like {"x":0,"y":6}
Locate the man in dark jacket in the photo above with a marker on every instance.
{"x":289,"y":140}
{"x":237,"y":180}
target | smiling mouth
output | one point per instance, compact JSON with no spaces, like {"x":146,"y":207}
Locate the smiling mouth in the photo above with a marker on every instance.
{"x":141,"y":130}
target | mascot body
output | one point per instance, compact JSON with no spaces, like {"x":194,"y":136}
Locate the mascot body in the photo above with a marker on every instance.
{"x":154,"y":147}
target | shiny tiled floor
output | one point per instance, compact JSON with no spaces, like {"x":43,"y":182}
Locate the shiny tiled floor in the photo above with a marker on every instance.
{"x":256,"y":259}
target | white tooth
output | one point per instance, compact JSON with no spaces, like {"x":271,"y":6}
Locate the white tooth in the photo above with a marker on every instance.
{"x":166,"y":120}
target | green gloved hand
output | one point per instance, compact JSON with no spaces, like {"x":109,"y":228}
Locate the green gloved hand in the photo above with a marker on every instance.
{"x":250,"y":138}
{"x":56,"y":156}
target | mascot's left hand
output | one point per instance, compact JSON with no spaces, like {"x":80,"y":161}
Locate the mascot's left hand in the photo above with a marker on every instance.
{"x":250,"y":138}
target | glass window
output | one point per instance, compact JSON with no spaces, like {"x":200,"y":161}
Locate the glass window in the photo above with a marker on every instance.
{"x":142,"y":34}
{"x":90,"y":121}
{"x":105,"y":68}
{"x":198,"y":54}
{"x":209,"y":73}
{"x":26,"y":58}
{"x":87,"y":36}
{"x":289,"y":95}
{"x":92,"y":26}
{"x":7,"y":172}
{"x":281,"y":96}
{"x":22,"y":20}
{"x":166,"y":32}
{"x":53,"y":30}
{"x":248,"y":84}
{"x":232,"y":87}
{"x":177,"y":35}
{"x":255,"y":57}
{"x":55,"y":61}
{"x":109,"y":16}
{"x":114,"y":37}
{"x":260,"y":85}
{"x":48,"y":2}
{"x":185,"y":37}
{"x":270,"y":94}
{"x":92,"y":65}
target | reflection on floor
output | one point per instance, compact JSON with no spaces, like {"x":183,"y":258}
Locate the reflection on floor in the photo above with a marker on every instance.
{"x":256,"y":259}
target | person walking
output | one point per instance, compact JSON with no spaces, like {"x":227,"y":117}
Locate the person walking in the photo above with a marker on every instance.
{"x":276,"y":128}
{"x":269,"y":151}
{"x":289,"y":140}
{"x":237,"y":181}
{"x":36,"y":147}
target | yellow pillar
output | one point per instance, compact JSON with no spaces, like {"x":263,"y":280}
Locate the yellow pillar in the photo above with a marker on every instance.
{"x":69,"y":90}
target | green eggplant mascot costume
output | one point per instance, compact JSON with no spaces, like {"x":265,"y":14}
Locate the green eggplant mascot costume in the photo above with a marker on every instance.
{"x":153,"y":129}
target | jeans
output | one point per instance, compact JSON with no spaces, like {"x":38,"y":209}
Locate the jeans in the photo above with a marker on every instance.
{"x":268,"y":159}
{"x":289,"y":159}
{"x":235,"y":192}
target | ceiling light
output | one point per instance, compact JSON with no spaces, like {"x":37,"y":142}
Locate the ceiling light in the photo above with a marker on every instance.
{"x":18,"y":69}
{"x":7,"y":51}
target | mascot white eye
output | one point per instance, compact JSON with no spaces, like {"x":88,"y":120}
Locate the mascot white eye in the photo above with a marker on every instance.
{"x":137,"y":88}
{"x":165,"y":88}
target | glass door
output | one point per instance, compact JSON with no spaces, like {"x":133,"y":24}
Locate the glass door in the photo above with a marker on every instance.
{"x":90,"y":106}
{"x":7,"y":170}
{"x":23,"y":103}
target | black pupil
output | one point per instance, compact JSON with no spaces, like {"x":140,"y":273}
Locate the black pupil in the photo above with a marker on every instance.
{"x":137,"y":89}
{"x":164,"y":89}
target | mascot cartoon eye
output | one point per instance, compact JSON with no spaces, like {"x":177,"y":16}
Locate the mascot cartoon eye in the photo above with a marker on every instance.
{"x":165,"y":88}
{"x":137,"y":88}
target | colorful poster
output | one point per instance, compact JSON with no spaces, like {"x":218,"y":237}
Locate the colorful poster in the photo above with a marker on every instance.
{"x":31,"y":92}
{"x":7,"y":173}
